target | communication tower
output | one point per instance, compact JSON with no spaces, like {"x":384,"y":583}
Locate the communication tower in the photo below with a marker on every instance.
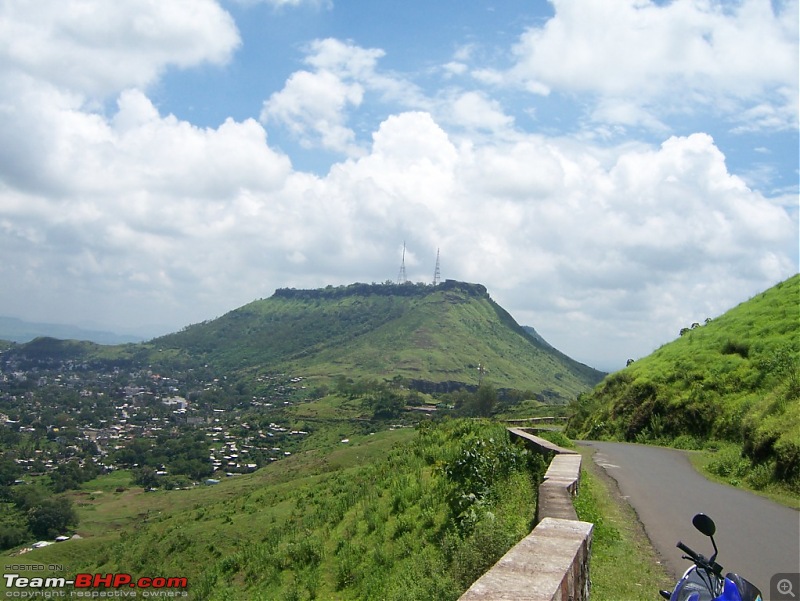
{"x":481,"y":373}
{"x":401,"y":277}
{"x":437,"y":275}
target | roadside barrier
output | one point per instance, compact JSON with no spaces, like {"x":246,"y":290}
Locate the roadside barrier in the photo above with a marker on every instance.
{"x":552,"y":562}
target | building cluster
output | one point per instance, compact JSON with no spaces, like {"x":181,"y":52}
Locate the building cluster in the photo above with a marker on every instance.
{"x":69,"y":412}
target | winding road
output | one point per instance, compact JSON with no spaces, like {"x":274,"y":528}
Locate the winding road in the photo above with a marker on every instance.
{"x":756,"y":537}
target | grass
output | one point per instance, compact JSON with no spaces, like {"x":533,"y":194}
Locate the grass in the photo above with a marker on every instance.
{"x":403,"y":514}
{"x":108,"y":517}
{"x":557,"y":437}
{"x":727,"y":460}
{"x":363,"y":520}
{"x":624,"y":564}
{"x":734,"y":381}
{"x":422,"y":333}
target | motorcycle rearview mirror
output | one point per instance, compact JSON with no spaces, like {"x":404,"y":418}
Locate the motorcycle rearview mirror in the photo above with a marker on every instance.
{"x":704,"y":524}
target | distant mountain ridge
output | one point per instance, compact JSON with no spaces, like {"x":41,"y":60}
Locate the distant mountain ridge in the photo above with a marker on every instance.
{"x":18,"y":330}
{"x":448,"y":335}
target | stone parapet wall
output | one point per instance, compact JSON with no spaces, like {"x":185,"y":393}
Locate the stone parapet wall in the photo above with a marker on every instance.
{"x":559,"y":486}
{"x":552,"y":562}
{"x":538,"y":444}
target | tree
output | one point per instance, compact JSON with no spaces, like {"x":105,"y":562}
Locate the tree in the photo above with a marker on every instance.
{"x":145,"y":477}
{"x":12,"y":535}
{"x":481,"y":403}
{"x":9,"y":471}
{"x":485,"y":400}
{"x":52,"y":517}
{"x":386,"y":404}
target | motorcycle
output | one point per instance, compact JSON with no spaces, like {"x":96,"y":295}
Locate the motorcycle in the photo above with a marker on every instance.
{"x":704,"y":581}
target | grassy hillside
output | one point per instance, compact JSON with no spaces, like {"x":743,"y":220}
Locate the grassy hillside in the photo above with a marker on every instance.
{"x":438,"y":338}
{"x":402,"y":514}
{"x":421,"y":333}
{"x":731,"y":384}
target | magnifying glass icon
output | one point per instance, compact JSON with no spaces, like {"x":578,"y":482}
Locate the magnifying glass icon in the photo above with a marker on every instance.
{"x":785,"y":588}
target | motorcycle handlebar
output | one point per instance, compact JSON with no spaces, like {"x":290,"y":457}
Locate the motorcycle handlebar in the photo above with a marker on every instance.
{"x":701,"y":561}
{"x":694,"y":556}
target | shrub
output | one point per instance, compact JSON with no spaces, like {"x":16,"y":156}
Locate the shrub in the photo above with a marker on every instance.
{"x":761,"y":475}
{"x":307,"y":551}
{"x":729,"y":463}
{"x":687,"y":442}
{"x":481,"y":549}
{"x":787,"y":459}
{"x":735,"y":347}
{"x":557,"y":438}
{"x":479,"y":465}
{"x":348,"y":572}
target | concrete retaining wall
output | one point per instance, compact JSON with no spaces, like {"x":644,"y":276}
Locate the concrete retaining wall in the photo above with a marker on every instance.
{"x":552,"y":562}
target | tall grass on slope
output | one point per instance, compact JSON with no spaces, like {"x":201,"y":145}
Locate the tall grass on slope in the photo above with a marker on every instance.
{"x":423,"y":523}
{"x":732,"y":382}
{"x":420,"y":521}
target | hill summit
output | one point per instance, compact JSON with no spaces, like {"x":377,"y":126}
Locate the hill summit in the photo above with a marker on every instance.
{"x":436,"y":337}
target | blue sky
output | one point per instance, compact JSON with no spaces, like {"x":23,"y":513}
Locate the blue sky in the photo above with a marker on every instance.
{"x":611,"y":170}
{"x":417,"y":39}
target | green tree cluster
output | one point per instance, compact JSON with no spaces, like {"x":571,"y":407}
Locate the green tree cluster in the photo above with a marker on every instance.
{"x":185,"y":454}
{"x":30,"y":511}
{"x":386,"y":400}
{"x":478,"y":403}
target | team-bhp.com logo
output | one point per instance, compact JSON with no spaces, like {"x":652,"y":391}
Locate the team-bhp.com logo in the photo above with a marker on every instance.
{"x":94,"y":585}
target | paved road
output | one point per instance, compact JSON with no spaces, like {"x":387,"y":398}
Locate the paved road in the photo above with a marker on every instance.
{"x":755,"y":536}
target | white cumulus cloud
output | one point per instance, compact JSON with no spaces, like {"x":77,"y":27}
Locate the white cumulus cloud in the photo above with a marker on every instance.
{"x":97,"y":48}
{"x":316,"y":105}
{"x":115,"y":211}
{"x":666,"y":57}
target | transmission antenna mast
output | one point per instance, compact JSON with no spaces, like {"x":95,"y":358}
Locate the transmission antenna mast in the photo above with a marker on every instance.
{"x":437,"y":275}
{"x":401,"y":277}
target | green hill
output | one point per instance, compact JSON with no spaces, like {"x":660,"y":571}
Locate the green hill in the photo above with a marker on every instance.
{"x":732,"y":384}
{"x":436,"y":337}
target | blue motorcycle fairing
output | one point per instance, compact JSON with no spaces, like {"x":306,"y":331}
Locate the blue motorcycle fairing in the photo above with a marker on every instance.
{"x":703,"y":581}
{"x":747,"y":590}
{"x":694,"y":586}
{"x":730,"y":592}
